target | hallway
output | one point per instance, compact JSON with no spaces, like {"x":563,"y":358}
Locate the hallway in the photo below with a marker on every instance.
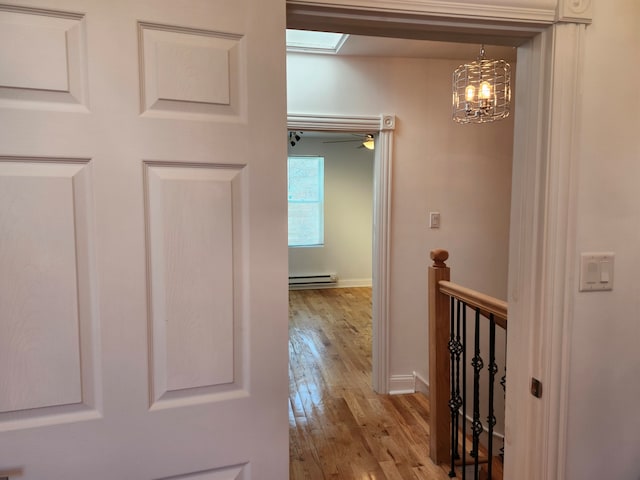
{"x":339,"y":428}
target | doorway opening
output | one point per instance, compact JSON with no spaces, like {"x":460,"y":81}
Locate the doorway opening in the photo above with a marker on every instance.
{"x":382,"y":127}
{"x":543,"y":197}
{"x":381,"y":340}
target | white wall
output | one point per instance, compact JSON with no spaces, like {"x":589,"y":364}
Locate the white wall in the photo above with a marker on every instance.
{"x":604,"y":422}
{"x":462,"y":171}
{"x":348,"y":178}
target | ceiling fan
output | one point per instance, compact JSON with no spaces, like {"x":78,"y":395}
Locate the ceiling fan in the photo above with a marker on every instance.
{"x":366,"y":140}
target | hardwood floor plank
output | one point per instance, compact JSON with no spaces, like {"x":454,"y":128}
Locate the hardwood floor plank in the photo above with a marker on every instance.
{"x":339,"y":428}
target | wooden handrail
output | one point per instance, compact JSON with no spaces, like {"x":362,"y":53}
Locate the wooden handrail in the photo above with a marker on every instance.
{"x":487,"y":305}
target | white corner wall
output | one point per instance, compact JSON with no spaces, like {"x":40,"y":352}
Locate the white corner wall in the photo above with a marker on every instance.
{"x":604,"y":423}
{"x":348,"y":203}
{"x":462,"y":171}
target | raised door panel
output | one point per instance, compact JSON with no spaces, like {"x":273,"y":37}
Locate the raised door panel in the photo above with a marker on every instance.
{"x":193,"y":215}
{"x":42,"y":59}
{"x":226,"y":473}
{"x":190,"y":73}
{"x":48,"y":330}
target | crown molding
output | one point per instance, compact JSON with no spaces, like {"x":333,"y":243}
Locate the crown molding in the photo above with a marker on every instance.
{"x":532,"y":11}
{"x":335,"y":123}
{"x":422,"y":20}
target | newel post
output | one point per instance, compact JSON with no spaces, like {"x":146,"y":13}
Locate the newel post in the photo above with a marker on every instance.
{"x":439,"y":363}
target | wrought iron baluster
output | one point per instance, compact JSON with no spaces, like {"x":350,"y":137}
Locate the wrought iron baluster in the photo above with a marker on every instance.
{"x":464,"y":391}
{"x":455,"y":401}
{"x":493,"y":369}
{"x":458,"y":397}
{"x":452,"y":396}
{"x":503,"y":382}
{"x":478,"y":364}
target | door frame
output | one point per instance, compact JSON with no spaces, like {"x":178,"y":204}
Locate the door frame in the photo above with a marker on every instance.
{"x":384,"y":126}
{"x":542,"y":253}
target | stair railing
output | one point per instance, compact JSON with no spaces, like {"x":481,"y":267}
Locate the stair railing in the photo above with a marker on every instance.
{"x":449,"y":359}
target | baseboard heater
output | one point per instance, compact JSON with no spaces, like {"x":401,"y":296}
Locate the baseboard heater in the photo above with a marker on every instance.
{"x":307,"y":281}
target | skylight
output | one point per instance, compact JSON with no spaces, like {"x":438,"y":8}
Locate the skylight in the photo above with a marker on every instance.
{"x":314,"y":42}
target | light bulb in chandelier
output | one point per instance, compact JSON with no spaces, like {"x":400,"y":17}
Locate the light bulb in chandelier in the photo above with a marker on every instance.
{"x":485,"y":91}
{"x":470,"y":93}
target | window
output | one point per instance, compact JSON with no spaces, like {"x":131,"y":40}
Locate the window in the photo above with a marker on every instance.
{"x":305,"y":188}
{"x":314,"y":42}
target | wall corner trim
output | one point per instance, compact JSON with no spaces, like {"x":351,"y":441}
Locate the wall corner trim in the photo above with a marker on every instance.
{"x":543,"y":251}
{"x":401,"y":384}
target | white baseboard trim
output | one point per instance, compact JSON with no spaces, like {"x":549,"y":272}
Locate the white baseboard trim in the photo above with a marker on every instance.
{"x":399,"y":384}
{"x":422,"y":385}
{"x":485,"y":429}
{"x":348,"y":283}
{"x":354,"y":282}
{"x":402,"y":384}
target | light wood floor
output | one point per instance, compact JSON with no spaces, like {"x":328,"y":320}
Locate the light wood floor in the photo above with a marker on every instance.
{"x":339,"y":428}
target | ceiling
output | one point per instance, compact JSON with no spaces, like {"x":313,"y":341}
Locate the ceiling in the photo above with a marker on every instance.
{"x":319,"y":42}
{"x":397,"y":47}
{"x":359,"y":45}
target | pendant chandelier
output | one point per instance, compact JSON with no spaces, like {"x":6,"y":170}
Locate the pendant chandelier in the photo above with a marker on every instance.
{"x":481,"y":90}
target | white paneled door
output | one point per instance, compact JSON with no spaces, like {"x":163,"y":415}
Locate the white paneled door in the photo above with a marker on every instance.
{"x":143,"y":312}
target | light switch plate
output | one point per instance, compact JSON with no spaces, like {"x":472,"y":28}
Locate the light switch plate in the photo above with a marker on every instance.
{"x":596,"y":271}
{"x":434,"y":219}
